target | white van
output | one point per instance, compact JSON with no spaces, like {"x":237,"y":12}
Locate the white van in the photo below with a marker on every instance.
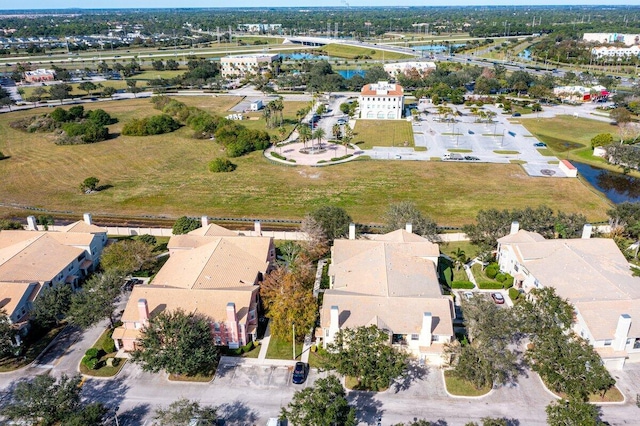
{"x":274,"y":421}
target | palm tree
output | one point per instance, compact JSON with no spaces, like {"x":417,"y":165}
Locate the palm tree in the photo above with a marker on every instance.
{"x":336,"y":130}
{"x":319,"y":134}
{"x":346,"y":138}
{"x":460,"y":257}
{"x":305,"y":134}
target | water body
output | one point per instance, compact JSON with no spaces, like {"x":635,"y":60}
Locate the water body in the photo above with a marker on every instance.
{"x":300,"y":56}
{"x":617,"y":187}
{"x":350,"y":73}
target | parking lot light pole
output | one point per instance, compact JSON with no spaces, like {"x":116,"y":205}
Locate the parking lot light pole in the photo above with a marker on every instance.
{"x":294,"y":342}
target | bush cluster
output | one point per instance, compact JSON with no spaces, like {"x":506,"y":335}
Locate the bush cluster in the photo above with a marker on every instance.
{"x":221,"y":165}
{"x":239,"y":351}
{"x":514,"y":294}
{"x":92,"y":357}
{"x":154,"y":125}
{"x":492,"y":270}
{"x":203,"y":124}
{"x":238,"y":140}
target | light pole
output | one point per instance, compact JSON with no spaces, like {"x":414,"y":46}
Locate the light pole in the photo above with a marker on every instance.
{"x":294,"y":341}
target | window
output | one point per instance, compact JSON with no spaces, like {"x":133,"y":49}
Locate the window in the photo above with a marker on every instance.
{"x":415,"y":337}
{"x":607,"y":342}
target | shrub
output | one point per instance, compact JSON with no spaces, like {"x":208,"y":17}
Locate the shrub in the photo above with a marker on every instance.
{"x":91,"y":363}
{"x":109,"y":346}
{"x":500,"y":277}
{"x":344,"y":157}
{"x":248,"y":347}
{"x":221,"y":165}
{"x":492,"y":270}
{"x":276,"y":155}
{"x":508,"y":282}
{"x":462,"y":284}
{"x":489,"y":285}
{"x":100,"y":117}
{"x":92,"y":353}
{"x":59,"y":115}
{"x":155,"y":125}
{"x":514,"y":294}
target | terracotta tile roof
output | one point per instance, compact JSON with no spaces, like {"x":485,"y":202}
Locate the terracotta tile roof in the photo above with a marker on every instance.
{"x":401,"y":315}
{"x":382,"y":88}
{"x":11,"y":294}
{"x":212,"y":304}
{"x":38,"y":258}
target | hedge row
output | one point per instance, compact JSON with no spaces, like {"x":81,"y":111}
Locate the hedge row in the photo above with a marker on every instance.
{"x":514,"y":294}
{"x":489,"y":285}
{"x":242,"y":349}
{"x":462,"y":284}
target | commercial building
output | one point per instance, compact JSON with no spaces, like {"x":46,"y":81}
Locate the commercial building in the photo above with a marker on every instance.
{"x":239,"y":66}
{"x":608,"y":38}
{"x":381,"y":101}
{"x":420,"y":68}
{"x":39,"y":76}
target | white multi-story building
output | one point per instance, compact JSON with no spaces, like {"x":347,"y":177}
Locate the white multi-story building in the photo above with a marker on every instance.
{"x":606,"y":38}
{"x":421,"y":67}
{"x":241,"y":65}
{"x":593,"y":275}
{"x":615,"y":52}
{"x":381,"y":101}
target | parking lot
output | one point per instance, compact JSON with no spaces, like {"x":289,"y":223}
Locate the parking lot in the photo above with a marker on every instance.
{"x":233,"y":372}
{"x":461,"y":139}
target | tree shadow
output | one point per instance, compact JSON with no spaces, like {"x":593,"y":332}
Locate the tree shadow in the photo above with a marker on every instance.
{"x":104,"y":187}
{"x":415,"y":372}
{"x":110,"y":392}
{"x":134,"y":416}
{"x":236,"y":413}
{"x":368,"y":409}
{"x":225,"y":369}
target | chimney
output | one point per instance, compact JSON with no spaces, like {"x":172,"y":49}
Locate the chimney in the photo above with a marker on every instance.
{"x":334,"y":324}
{"x":425,"y":332}
{"x":205,"y":221}
{"x":586,"y":231}
{"x":143,"y":311}
{"x":257,"y":227}
{"x":87,"y":218}
{"x":352,"y":231}
{"x":409,"y":227}
{"x":622,"y":332}
{"x":232,"y":321}
{"x":31,"y":223}
{"x":515,"y":227}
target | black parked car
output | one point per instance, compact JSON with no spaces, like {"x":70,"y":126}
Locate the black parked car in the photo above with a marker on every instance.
{"x":299,"y":373}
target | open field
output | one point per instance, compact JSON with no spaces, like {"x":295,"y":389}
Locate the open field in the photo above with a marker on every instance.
{"x":350,"y":52}
{"x":370,"y":133}
{"x":570,"y":137}
{"x":166,"y":175}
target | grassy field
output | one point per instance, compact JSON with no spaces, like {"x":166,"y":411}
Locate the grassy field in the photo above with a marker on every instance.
{"x":166,"y":175}
{"x":281,"y":349}
{"x":370,"y":133}
{"x":350,"y":52}
{"x":459,"y":387}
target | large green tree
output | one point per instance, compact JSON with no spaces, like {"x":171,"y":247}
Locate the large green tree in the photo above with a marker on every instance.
{"x":543,"y":311}
{"x":323,"y":404}
{"x":178,"y":343}
{"x":287,"y":295}
{"x":333,"y":220}
{"x":51,"y":305}
{"x":126,"y":257}
{"x":573,"y":412}
{"x":180,"y":412}
{"x":60,"y":91}
{"x":399,"y":214}
{"x":365,"y":353}
{"x":488,"y":358}
{"x":7,"y":334}
{"x":185,"y":224}
{"x":46,"y":401}
{"x":96,"y":300}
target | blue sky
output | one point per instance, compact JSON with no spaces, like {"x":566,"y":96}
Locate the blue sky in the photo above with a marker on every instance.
{"x":59,"y":4}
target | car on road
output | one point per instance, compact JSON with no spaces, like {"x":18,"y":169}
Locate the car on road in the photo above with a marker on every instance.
{"x":516,"y":114}
{"x":299,"y":373}
{"x":540,"y":145}
{"x":397,"y":157}
{"x":342,"y":121}
{"x":498,"y":298}
{"x":471,"y":158}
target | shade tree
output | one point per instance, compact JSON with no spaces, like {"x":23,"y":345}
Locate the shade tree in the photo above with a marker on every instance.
{"x":323,"y":404}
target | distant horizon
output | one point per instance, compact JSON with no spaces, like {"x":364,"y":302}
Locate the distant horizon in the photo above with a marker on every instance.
{"x":45,"y":5}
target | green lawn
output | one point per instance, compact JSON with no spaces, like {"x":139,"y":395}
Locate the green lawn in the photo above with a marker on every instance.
{"x":565,"y":133}
{"x":370,"y":133}
{"x":479,"y":274}
{"x":167,"y":175}
{"x":105,"y":370}
{"x":460,"y":387}
{"x":470,"y":250}
{"x":282,"y":349}
{"x":350,"y":52}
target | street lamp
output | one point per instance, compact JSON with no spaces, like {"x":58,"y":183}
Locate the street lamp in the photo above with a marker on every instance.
{"x":294,"y":341}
